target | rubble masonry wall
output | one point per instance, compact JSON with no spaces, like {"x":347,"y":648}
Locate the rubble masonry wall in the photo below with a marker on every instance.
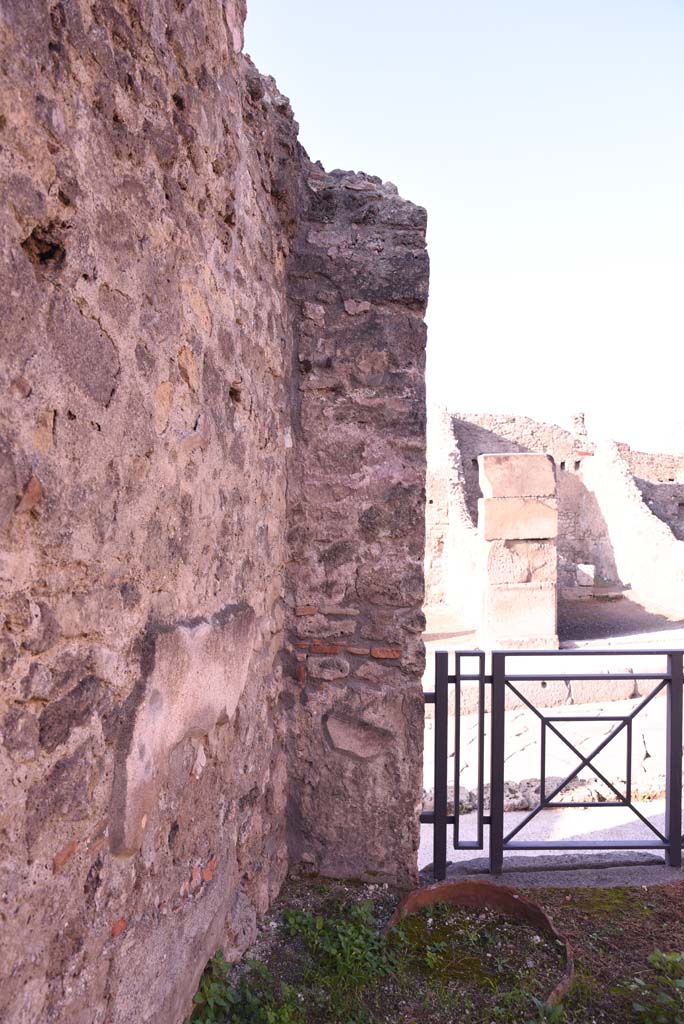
{"x":170,"y":451}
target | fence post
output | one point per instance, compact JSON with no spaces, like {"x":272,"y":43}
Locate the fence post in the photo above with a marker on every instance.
{"x":439,"y":833}
{"x":673,"y":810}
{"x":496,"y":788}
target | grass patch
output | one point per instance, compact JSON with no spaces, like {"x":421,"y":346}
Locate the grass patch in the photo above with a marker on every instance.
{"x":323,"y":957}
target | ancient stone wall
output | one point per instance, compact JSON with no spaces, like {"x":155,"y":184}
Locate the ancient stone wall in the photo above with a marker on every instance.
{"x":648,"y":557}
{"x":357,"y":502}
{"x":660,"y":479}
{"x":608,"y":522}
{"x":454,"y":553}
{"x":157,"y":429}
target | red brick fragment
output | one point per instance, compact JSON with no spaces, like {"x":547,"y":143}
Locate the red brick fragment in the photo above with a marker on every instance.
{"x":65,"y":854}
{"x":358,"y":650}
{"x":386,"y":652}
{"x":118,"y":927}
{"x":301,"y":673}
{"x":208,"y":872}
{"x":325,"y":649}
{"x":303,"y":644}
{"x":306,"y":609}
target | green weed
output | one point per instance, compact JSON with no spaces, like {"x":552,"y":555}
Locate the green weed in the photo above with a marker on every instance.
{"x":661,"y":1000}
{"x":348,"y":956}
{"x":257,"y":998}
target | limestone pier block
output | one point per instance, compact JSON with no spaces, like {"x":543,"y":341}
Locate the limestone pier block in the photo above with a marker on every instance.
{"x":520,"y":610}
{"x":517,"y":475}
{"x":521,"y":561}
{"x":518,"y":518}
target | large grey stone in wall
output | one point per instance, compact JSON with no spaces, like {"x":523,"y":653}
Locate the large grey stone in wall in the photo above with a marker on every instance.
{"x":517,"y":475}
{"x":518,"y":518}
{"x":192,"y":676}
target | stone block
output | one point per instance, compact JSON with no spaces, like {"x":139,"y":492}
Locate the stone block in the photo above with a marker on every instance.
{"x":520,"y":610}
{"x":355,"y":737}
{"x":521,"y":561}
{"x":646,"y":686}
{"x":591,"y":691}
{"x":517,"y":475}
{"x":328,"y":668}
{"x":552,"y":693}
{"x":492,"y":642}
{"x":585,"y":575}
{"x":518,"y":518}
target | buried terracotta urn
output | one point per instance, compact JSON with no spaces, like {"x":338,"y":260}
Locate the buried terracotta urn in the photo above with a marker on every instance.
{"x":478,"y":895}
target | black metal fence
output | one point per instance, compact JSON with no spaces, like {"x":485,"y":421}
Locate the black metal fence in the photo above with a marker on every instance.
{"x":491,"y":691}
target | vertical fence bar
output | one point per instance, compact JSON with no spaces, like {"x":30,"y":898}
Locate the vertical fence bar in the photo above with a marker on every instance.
{"x":628,"y":773}
{"x":480,"y":747}
{"x":673,"y":810}
{"x":439,"y":835}
{"x":457,"y":753}
{"x":542,"y":759}
{"x":496,"y":788}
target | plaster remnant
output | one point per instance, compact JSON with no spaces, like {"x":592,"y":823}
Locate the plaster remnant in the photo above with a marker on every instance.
{"x":192,"y":675}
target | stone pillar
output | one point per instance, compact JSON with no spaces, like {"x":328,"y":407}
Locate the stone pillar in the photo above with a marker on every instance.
{"x":356,"y":497}
{"x":518,"y":523}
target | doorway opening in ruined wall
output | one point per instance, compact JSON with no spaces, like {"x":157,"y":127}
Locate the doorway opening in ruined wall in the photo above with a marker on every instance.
{"x":527,"y":754}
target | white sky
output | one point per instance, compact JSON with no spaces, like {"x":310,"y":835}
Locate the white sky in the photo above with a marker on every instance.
{"x":546,"y":139}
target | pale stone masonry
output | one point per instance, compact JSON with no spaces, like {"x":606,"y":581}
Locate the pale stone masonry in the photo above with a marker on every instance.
{"x":212,"y":457}
{"x":518,"y":522}
{"x":620,"y":516}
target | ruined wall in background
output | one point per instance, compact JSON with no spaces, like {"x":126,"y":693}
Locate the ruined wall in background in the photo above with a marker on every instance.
{"x":660,"y":479}
{"x":359,"y":283}
{"x":625,"y":518}
{"x":150,"y":186}
{"x":454,"y":552}
{"x":648,"y":558}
